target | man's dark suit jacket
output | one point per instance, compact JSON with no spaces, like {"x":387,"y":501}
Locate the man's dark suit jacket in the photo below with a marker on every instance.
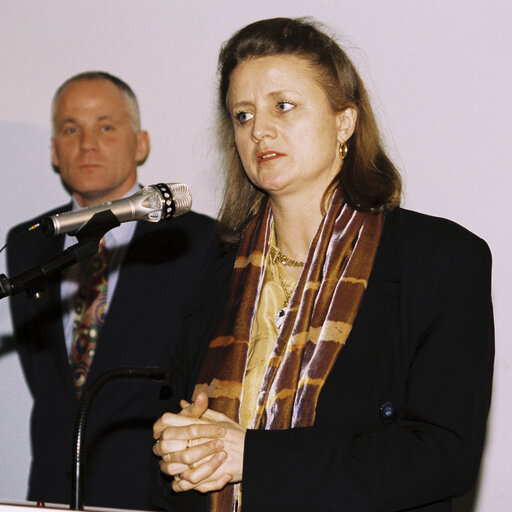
{"x":160,"y":267}
{"x":400,"y":422}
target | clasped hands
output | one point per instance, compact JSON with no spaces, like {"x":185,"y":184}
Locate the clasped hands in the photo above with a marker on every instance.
{"x":202,"y":449}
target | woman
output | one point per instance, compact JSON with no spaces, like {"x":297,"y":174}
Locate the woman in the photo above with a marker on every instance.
{"x":343,"y":360}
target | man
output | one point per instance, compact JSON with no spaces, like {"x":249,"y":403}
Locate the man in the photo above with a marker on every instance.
{"x":96,"y":147}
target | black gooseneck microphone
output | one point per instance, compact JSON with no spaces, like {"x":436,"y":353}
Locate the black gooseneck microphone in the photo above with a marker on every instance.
{"x":85,"y":404}
{"x":153,"y":203}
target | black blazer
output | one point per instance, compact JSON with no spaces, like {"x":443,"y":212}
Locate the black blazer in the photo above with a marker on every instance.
{"x":400,"y":421}
{"x":160,"y":267}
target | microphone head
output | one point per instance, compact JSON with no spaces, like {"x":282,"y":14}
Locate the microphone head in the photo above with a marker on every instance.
{"x":177,"y":199}
{"x":152,"y":204}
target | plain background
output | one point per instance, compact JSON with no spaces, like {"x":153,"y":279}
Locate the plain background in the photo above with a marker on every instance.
{"x":439,"y":74}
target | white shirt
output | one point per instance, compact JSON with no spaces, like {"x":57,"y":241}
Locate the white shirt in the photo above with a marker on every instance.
{"x":116,"y":242}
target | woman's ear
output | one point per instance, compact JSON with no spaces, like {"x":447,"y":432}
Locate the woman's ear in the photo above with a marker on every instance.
{"x":346,"y":121}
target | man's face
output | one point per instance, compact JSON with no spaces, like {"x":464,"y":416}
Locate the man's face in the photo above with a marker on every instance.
{"x":95,"y":145}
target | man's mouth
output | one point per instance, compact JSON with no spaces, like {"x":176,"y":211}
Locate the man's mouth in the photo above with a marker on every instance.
{"x":86,"y":165}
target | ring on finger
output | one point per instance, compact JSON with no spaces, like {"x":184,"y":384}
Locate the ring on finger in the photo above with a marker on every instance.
{"x":191,"y":466}
{"x":187,"y":446}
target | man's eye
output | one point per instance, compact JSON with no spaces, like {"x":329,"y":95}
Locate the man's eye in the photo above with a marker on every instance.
{"x":284,"y":106}
{"x":70,"y":130}
{"x":243,"y":117}
{"x":107,"y":128}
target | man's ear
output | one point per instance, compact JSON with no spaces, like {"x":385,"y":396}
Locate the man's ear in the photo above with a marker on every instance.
{"x":54,"y":153}
{"x":143,"y":146}
{"x":346,"y":122}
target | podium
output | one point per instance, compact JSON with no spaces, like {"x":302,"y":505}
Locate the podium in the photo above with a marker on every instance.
{"x":32,"y":506}
{"x":78,"y":458}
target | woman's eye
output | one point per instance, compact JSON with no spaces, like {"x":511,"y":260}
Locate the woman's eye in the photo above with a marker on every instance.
{"x":284,"y":106}
{"x":243,"y":117}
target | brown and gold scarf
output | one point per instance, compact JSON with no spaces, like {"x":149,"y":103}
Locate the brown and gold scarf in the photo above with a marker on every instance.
{"x":321,"y":313}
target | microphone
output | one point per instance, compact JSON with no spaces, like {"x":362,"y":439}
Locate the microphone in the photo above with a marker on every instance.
{"x":152,"y":204}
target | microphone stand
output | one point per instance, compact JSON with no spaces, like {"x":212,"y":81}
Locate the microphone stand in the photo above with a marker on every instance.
{"x":89,"y":236}
{"x":85,"y":404}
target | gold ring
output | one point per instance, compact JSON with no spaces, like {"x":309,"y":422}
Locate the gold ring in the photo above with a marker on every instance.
{"x":191,"y":466}
{"x":187,"y":446}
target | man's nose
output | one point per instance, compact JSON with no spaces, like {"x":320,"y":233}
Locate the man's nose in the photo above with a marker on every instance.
{"x":88,"y":140}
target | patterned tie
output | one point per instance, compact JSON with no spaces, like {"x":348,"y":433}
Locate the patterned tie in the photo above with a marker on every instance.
{"x":90,"y":310}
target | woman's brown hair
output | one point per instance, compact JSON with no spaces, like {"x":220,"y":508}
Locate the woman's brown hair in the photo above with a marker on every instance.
{"x":369,"y":180}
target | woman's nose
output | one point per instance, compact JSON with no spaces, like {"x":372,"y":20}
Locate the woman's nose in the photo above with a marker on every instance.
{"x":263,"y":126}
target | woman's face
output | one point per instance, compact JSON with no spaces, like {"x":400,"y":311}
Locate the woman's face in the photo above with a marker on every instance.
{"x":286,"y":132}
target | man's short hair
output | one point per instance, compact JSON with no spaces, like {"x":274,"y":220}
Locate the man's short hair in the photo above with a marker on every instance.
{"x":129,"y":95}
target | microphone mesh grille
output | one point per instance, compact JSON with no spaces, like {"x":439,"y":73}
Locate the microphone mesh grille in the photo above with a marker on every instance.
{"x":182,"y":198}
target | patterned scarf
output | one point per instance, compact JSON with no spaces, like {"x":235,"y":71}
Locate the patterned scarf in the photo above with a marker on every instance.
{"x":321,"y":313}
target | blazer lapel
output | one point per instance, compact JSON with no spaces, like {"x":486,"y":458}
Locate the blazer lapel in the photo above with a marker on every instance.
{"x":350,"y":383}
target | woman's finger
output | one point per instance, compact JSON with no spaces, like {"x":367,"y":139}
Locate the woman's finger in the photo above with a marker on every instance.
{"x":193,"y":478}
{"x":175,"y":462}
{"x":197,"y":408}
{"x":172,"y":469}
{"x":192,"y":431}
{"x":167,"y":419}
{"x":204,"y":470}
{"x":196,"y":457}
{"x":214,"y":485}
{"x":163,"y":446}
{"x":184,"y":404}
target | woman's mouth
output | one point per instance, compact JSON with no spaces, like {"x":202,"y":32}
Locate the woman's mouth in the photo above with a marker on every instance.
{"x":268,"y":155}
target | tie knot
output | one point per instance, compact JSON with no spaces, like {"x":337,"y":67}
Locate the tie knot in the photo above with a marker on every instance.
{"x":97,"y":264}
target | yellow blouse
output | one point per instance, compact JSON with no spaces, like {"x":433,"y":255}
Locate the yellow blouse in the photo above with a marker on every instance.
{"x":264,"y":332}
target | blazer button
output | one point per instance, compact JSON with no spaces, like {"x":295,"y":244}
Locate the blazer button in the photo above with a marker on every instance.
{"x":387,"y":412}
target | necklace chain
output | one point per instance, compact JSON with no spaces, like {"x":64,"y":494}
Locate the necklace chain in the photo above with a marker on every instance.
{"x":287,"y":292}
{"x":281,"y":259}
{"x":285,"y":260}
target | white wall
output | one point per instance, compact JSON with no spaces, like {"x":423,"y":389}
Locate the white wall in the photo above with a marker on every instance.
{"x":439,"y":73}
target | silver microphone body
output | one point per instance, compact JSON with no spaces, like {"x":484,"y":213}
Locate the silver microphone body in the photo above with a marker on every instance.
{"x":152,"y":204}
